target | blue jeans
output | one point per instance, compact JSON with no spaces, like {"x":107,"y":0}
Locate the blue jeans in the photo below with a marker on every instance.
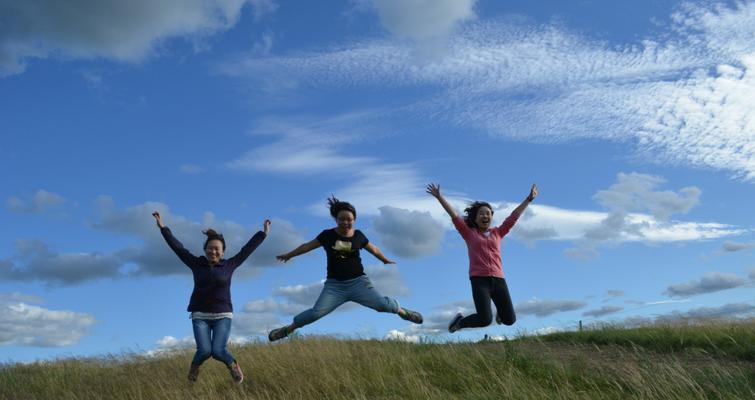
{"x":211,"y":336}
{"x":335,"y":293}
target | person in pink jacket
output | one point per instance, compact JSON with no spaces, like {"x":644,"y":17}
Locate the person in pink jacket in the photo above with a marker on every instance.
{"x":484,"y":249}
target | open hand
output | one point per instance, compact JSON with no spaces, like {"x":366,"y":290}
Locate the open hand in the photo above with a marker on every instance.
{"x":266,"y":226}
{"x":533,"y":192}
{"x":434,"y":190}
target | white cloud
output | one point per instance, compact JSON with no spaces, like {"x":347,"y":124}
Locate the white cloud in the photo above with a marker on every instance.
{"x":41,"y":201}
{"x":683,"y":98}
{"x":123,"y":31}
{"x":22,"y":324}
{"x":637,"y":193}
{"x":401,"y":336}
{"x":710,"y":282}
{"x":615,"y":292}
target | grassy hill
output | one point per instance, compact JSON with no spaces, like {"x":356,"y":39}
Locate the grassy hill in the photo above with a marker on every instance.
{"x":682,"y":361}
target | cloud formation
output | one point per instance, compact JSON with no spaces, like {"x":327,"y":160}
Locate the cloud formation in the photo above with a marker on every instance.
{"x":731,"y":247}
{"x":41,"y":201}
{"x":681,"y":98}
{"x":36,"y":261}
{"x":409,"y":234}
{"x":111,"y":29}
{"x":543,"y":308}
{"x":710,"y":282}
{"x":22,"y":324}
{"x":602,"y":311}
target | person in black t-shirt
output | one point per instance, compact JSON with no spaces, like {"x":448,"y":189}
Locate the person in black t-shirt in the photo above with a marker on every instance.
{"x":346,"y":279}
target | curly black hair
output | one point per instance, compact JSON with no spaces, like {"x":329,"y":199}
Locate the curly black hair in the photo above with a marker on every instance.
{"x":212,"y":235}
{"x":337,"y":206}
{"x":472,"y":210}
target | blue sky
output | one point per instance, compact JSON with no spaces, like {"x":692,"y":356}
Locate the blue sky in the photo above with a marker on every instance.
{"x":636,"y":122}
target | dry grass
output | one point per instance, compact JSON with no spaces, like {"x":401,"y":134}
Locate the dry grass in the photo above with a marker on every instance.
{"x":322,"y":368}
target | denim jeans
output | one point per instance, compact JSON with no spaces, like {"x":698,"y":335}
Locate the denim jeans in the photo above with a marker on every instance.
{"x":211,"y":336}
{"x":335,"y":293}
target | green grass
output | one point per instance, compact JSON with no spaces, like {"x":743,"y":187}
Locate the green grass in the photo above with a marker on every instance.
{"x":601,"y":365}
{"x":733,"y":339}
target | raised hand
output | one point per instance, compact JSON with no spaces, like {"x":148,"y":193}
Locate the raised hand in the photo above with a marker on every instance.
{"x":158,"y":219}
{"x":434,"y":190}
{"x":266,"y":226}
{"x":533,"y":192}
{"x":283,"y":257}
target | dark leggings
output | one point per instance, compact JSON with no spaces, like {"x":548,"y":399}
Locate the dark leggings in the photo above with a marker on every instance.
{"x":485,"y":288}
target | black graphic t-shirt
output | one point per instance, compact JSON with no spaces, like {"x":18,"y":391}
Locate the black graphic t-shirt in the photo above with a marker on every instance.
{"x":344,"y":262}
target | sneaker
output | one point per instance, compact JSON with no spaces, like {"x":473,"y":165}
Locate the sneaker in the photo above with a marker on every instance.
{"x":411,"y":316}
{"x":235,"y":370}
{"x":278,"y":334}
{"x":455,"y":324}
{"x":193,"y":373}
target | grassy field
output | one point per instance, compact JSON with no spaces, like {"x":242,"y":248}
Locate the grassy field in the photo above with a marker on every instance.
{"x":689,"y":361}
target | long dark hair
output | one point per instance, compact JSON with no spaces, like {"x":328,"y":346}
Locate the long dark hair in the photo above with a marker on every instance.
{"x":337,"y":206}
{"x":472,"y":210}
{"x":212,"y":235}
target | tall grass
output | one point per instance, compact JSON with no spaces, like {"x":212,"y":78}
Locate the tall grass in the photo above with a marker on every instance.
{"x":721,"y":338}
{"x":323,"y":368}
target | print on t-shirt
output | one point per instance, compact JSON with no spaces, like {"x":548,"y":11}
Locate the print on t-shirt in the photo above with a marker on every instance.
{"x":342,"y":249}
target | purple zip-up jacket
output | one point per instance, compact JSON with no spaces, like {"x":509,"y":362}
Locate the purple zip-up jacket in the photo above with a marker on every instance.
{"x":212,"y":285}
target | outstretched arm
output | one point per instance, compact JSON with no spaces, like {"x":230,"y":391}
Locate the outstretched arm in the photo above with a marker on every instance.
{"x":434,"y":190}
{"x":250,"y":246}
{"x":304,"y":248}
{"x":375,"y":251}
{"x":533,"y":193}
{"x":174,"y":244}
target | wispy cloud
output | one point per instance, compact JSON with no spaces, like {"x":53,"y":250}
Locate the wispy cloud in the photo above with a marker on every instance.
{"x":602,"y":311}
{"x":683,"y":98}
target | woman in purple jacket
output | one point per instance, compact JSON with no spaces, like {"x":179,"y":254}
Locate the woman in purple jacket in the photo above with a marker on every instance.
{"x":210,"y":304}
{"x":484,"y":249}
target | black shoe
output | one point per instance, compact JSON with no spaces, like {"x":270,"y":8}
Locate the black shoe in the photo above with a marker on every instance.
{"x":193,"y":373}
{"x":278,"y":334}
{"x":455,"y":324}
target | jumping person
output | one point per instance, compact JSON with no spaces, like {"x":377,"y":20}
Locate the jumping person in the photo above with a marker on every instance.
{"x":210,"y":303}
{"x":484,"y":249}
{"x":346,"y":280}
